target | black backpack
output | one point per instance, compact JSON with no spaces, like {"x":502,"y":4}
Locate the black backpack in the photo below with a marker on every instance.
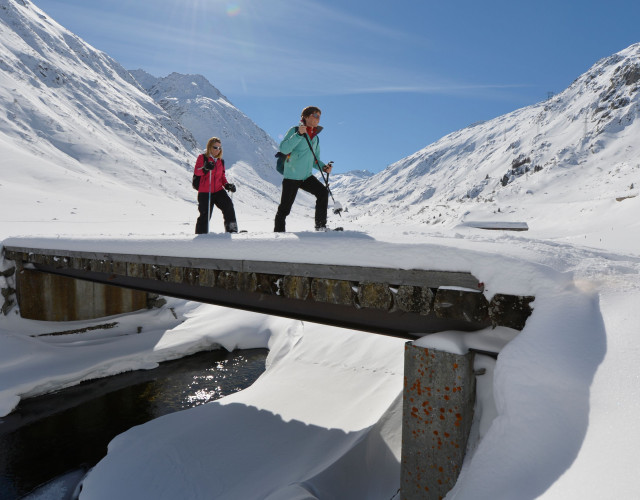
{"x":195,"y":180}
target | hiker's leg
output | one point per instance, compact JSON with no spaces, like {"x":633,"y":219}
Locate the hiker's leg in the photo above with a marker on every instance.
{"x":223,"y":201}
{"x":315,"y":187}
{"x":289,"y":192}
{"x":202,"y":224}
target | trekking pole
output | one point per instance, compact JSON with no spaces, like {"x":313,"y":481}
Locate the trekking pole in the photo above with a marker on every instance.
{"x":325,"y":179}
{"x":337,"y":206}
{"x":209,"y":204}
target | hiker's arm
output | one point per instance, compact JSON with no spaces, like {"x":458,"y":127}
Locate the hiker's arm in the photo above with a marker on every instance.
{"x":290,"y":141}
{"x":199,"y":164}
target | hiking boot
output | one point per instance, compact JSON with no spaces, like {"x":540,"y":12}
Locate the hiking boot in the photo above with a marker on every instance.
{"x":232,"y":227}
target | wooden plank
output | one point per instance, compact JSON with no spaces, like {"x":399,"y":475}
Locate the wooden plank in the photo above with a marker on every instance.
{"x":498,"y":225}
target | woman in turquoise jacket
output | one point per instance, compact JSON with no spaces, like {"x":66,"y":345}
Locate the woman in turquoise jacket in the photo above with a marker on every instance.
{"x":298,"y":169}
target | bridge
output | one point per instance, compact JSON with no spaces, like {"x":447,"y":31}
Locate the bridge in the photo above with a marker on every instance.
{"x":407,"y":303}
{"x":399,"y":302}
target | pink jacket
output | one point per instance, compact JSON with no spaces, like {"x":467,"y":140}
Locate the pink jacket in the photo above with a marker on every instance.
{"x":217,"y":176}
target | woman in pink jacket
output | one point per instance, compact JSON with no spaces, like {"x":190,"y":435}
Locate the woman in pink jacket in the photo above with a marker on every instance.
{"x":213,"y":182}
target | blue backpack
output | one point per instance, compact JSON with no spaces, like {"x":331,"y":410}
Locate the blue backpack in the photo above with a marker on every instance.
{"x":281,"y":159}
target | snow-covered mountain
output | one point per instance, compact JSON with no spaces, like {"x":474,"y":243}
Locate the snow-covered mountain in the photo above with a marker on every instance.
{"x":583,"y":140}
{"x":66,"y":102}
{"x":349,"y":179}
{"x":77,"y":128}
{"x":193,"y":102}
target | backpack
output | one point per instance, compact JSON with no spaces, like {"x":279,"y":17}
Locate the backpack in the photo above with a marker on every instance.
{"x":195,"y":180}
{"x":281,"y":159}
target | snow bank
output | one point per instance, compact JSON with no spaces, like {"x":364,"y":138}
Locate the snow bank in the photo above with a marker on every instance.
{"x":322,"y":422}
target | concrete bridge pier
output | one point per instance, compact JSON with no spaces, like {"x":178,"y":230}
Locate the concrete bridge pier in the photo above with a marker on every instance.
{"x":438,"y":401}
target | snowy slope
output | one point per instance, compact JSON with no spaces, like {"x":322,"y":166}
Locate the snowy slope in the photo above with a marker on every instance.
{"x":78,"y":127}
{"x":66,"y":101}
{"x":580,"y":145}
{"x":350,"y":181}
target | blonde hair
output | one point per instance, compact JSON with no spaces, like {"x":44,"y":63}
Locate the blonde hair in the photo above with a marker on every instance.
{"x":210,"y":143}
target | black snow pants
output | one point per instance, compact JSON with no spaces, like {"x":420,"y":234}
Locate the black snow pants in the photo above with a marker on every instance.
{"x":290,"y":190}
{"x":221,"y":200}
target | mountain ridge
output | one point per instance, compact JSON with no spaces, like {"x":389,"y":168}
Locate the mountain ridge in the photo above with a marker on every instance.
{"x":590,"y":125}
{"x":197,"y":105}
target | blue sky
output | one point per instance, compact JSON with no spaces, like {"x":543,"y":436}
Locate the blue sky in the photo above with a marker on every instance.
{"x":390,"y":77}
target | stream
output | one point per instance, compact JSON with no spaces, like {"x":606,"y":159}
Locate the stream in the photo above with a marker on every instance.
{"x":49,"y":442}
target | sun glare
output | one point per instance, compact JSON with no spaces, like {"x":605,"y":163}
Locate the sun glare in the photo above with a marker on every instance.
{"x":233,"y":9}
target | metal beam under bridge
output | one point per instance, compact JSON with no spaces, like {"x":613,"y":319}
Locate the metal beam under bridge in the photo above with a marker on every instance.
{"x":397,"y":302}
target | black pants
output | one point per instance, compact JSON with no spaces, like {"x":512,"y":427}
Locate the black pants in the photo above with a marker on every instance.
{"x":290,"y":189}
{"x":221,"y":200}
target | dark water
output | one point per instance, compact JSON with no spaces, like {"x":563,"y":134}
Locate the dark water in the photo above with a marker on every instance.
{"x":67,"y":432}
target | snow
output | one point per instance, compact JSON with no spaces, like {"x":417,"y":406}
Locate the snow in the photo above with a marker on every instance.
{"x":313,"y":436}
{"x":324,"y":419}
{"x":555,"y":416}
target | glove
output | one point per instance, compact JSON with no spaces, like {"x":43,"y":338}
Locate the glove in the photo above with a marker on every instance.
{"x":230,"y":187}
{"x":207,"y":166}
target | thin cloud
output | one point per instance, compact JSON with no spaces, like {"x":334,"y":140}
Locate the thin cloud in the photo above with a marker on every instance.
{"x":332,"y":16}
{"x":249,"y":54}
{"x":436,"y":89}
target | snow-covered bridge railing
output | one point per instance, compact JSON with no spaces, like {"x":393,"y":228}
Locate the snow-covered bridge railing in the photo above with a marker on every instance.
{"x":390,"y":301}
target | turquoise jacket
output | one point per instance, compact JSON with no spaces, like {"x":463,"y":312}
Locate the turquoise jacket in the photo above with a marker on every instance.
{"x":300,"y":163}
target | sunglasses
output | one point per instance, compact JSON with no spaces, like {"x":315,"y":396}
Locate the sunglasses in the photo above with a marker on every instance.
{"x":216,"y":147}
{"x":316,"y":115}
